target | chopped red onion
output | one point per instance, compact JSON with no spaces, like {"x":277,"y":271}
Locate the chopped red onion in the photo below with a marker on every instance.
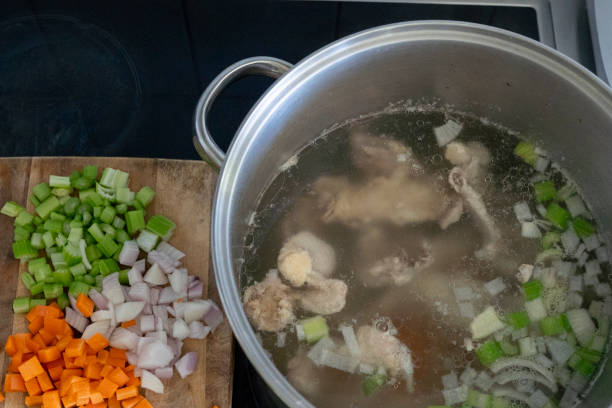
{"x":196,"y":291}
{"x":151,"y":382}
{"x":124,"y":339}
{"x":159,"y":335}
{"x":147,"y":309}
{"x":179,"y":309}
{"x":214,"y":316}
{"x":73,"y":304}
{"x":99,"y":299}
{"x":134,"y":276}
{"x":179,"y":280}
{"x":196,"y":310}
{"x":187,"y":364}
{"x":161,"y":324}
{"x":101,"y":327}
{"x":180,"y":329}
{"x":155,"y":276}
{"x":192,"y":280}
{"x":155,"y":293}
{"x":155,"y":355}
{"x":132,"y":358}
{"x":129,"y":253}
{"x":100,"y":315}
{"x":112,"y":289}
{"x":76,"y":320}
{"x":169,"y":250}
{"x":140,"y":291}
{"x":128,"y":311}
{"x":166,"y":263}
{"x":197,"y":330}
{"x":167,"y":296}
{"x":126,"y":294}
{"x":171,"y":311}
{"x":164,"y":373}
{"x":142,"y":342}
{"x":111,"y":309}
{"x":139,"y":265}
{"x":146,"y":323}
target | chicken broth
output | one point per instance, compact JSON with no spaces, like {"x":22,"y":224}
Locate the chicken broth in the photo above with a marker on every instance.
{"x":392,"y":262}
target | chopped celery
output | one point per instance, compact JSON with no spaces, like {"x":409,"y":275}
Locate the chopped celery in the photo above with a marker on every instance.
{"x":70,"y":207}
{"x":108,"y":266}
{"x":118,"y":223}
{"x":36,"y":241}
{"x":23,"y":250}
{"x":94,"y":199}
{"x":123,"y":195}
{"x":314,"y":328}
{"x":162,"y":226}
{"x":33,"y":264}
{"x":76,"y":288}
{"x":565,"y":323}
{"x":97,"y":211}
{"x":526,"y":151}
{"x":43,"y":273}
{"x":145,"y":195}
{"x":135,"y":221}
{"x":36,"y":288}
{"x":74,"y":175}
{"x":21,"y":233}
{"x":107,"y":215}
{"x":86,"y":218}
{"x":121,"y":208}
{"x":28,"y":280}
{"x":372,"y":383}
{"x":62,"y":276}
{"x":549,"y":254}
{"x":82,"y":183}
{"x":24,"y":218}
{"x":518,"y":320}
{"x":49,"y":239}
{"x":500,"y":402}
{"x":53,"y":225}
{"x":545,"y":191}
{"x":11,"y":208}
{"x":550,"y":239}
{"x":61,"y":192}
{"x":589,"y":355}
{"x":551,"y":326}
{"x":58,"y":261}
{"x":108,"y":193}
{"x":59,"y":181}
{"x":91,"y":172}
{"x":508,"y":348}
{"x":41,"y":191}
{"x":34,"y":200}
{"x":586,"y":368}
{"x":121,"y":236}
{"x":92,"y":252}
{"x":123,"y":277}
{"x":532,"y":289}
{"x":582,"y":227}
{"x":52,"y":290}
{"x":108,"y":246}
{"x":47,"y":207}
{"x":75,"y":235}
{"x":21,"y":305}
{"x":147,"y":240}
{"x":37,"y":302}
{"x":558,"y":215}
{"x":489,"y":352}
{"x":114,"y":178}
{"x":63,"y":301}
{"x":78,"y":269}
{"x":96,"y":232}
{"x":72,"y":254}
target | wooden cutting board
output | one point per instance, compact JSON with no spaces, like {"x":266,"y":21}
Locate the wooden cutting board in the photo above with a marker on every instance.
{"x":184,"y":194}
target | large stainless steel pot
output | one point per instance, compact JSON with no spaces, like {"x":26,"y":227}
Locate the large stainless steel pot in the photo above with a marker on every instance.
{"x":505,"y":77}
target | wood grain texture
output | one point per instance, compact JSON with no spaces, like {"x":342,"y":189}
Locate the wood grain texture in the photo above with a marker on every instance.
{"x":184,"y":194}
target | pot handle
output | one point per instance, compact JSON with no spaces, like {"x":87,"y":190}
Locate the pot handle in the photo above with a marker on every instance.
{"x":202,"y":140}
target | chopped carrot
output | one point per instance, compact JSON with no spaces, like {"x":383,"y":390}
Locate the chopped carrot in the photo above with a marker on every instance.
{"x":16,"y":361}
{"x":144,"y":404}
{"x":36,"y":324}
{"x":33,"y":387}
{"x":10,"y":347}
{"x":51,"y":399}
{"x":54,"y":325}
{"x":14,"y":383}
{"x":39,"y":340}
{"x":129,"y":323}
{"x":56,"y":368}
{"x":31,"y":368}
{"x":33,"y":345}
{"x":44,"y":311}
{"x":113,"y":403}
{"x":106,"y":370}
{"x":33,"y":401}
{"x":96,"y":397}
{"x":63,"y":343}
{"x":49,"y":354}
{"x":127,"y":392}
{"x":45,"y":382}
{"x":98,"y":405}
{"x":66,"y":386}
{"x":92,"y":371}
{"x":130,"y":402}
{"x":118,"y":353}
{"x":75,"y":348}
{"x":46,"y":335}
{"x":20,"y":341}
{"x":71,"y":372}
{"x":85,"y":305}
{"x":133,"y":381}
{"x":107,"y":388}
{"x":69,"y":401}
{"x":117,"y":362}
{"x":98,"y":342}
{"x":81,"y":361}
{"x":103,"y":356}
{"x":118,"y":377}
{"x":129,"y":368}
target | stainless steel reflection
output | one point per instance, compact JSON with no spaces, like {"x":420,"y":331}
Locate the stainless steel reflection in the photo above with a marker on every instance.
{"x":491,"y":73}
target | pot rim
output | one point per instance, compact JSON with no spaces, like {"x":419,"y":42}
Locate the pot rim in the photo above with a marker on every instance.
{"x":225,"y":194}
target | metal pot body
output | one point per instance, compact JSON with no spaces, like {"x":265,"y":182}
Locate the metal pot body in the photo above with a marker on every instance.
{"x":491,"y":73}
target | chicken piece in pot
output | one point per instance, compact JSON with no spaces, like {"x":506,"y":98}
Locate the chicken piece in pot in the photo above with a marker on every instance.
{"x":322,"y":296}
{"x":303,"y":254}
{"x":381,"y":156}
{"x":269,"y":304}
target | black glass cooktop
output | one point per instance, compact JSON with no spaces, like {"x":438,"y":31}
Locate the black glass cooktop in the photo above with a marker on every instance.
{"x":121,"y":78}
